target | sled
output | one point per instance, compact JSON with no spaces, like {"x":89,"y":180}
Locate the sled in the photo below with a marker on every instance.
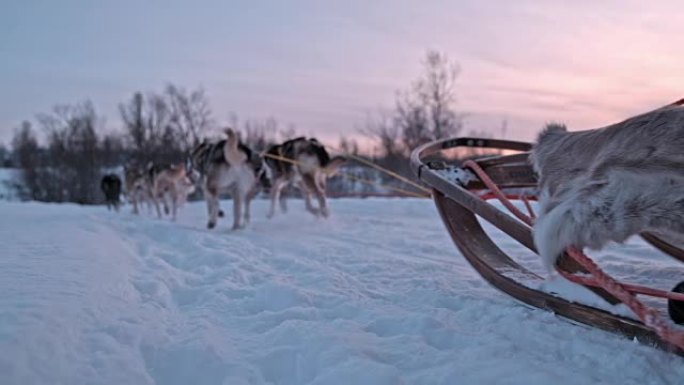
{"x":461,"y":199}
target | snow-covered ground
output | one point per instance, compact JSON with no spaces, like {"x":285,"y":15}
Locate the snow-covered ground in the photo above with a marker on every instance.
{"x":377,"y":294}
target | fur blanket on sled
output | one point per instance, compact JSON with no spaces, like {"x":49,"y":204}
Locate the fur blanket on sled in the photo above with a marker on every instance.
{"x":610,"y":183}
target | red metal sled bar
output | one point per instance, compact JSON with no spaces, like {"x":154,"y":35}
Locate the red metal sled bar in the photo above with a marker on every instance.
{"x":505,"y":200}
{"x":458,"y":203}
{"x":647,"y":315}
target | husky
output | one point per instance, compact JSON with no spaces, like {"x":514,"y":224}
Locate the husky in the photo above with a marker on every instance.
{"x":227,"y":166}
{"x":305,"y":163}
{"x":138,"y":186}
{"x":607,"y":184}
{"x":111,"y":187}
{"x":170,"y":185}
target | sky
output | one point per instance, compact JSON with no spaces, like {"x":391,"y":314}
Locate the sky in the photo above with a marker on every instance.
{"x":325,"y":66}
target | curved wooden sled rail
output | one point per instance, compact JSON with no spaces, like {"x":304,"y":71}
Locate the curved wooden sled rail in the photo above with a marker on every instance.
{"x":458,"y":207}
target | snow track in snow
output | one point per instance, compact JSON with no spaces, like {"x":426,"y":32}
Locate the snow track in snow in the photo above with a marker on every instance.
{"x":377,"y":294}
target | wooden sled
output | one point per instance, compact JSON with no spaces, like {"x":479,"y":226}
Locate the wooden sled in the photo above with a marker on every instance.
{"x":459,"y":201}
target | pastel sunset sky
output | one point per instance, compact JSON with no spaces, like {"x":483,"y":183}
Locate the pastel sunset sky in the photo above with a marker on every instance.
{"x":325,"y":65}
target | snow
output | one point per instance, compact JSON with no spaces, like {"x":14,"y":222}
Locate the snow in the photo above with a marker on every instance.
{"x":457,"y":175}
{"x":376,"y":294}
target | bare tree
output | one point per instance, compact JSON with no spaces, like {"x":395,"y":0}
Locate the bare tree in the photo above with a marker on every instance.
{"x":113,"y":150}
{"x":74,"y":167}
{"x":382,"y":130}
{"x":145,"y":120}
{"x":148,"y":122}
{"x":190,"y":114}
{"x":132,"y":115}
{"x":68,"y":170}
{"x":426,"y":112}
{"x":412,"y":121}
{"x":349,"y":146}
{"x":287,"y":133}
{"x":158,"y":121}
{"x":27,"y":157}
{"x":5,"y":160}
{"x":258,"y":135}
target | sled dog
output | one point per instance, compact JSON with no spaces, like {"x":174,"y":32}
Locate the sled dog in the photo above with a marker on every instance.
{"x":303,"y":162}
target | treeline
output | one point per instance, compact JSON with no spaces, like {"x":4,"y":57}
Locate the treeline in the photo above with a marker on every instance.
{"x":164,"y":126}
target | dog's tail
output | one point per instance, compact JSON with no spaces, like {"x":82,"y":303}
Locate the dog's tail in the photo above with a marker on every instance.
{"x":331,"y":168}
{"x":231,"y":151}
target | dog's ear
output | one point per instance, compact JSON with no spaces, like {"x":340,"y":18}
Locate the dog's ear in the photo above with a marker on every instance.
{"x":552,"y":129}
{"x":555,"y":127}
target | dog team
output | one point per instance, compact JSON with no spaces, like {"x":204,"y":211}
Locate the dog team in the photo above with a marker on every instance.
{"x":229,"y":166}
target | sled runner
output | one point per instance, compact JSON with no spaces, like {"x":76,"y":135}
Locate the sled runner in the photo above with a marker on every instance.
{"x":461,"y":189}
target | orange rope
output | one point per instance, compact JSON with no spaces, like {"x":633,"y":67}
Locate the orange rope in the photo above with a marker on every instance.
{"x":352,"y":177}
{"x":497,"y":192}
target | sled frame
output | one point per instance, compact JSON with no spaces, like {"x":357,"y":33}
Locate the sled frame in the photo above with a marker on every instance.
{"x":459,"y":205}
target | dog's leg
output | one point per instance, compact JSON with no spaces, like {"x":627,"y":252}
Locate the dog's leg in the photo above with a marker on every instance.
{"x":165,"y":201}
{"x":206,"y":194}
{"x":307,"y":198}
{"x":149,"y":202}
{"x":211,"y":196}
{"x":307,"y":202}
{"x":319,"y":191}
{"x":275,"y":194}
{"x":283,"y":203}
{"x":322,"y":199}
{"x":309,"y":184}
{"x":174,"y":203}
{"x":237,"y":207}
{"x":306,"y":194}
{"x":155,"y":200}
{"x":248,"y":202}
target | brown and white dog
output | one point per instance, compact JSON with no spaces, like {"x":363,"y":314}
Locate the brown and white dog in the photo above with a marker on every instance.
{"x":138,"y":186}
{"x":227,"y":166}
{"x":610,"y":183}
{"x":170,"y":185}
{"x":305,"y":163}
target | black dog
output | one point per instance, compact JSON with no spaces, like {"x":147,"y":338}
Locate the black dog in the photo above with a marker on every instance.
{"x":111,"y":187}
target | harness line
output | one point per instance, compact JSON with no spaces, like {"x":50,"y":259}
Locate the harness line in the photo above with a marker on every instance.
{"x":351,"y":176}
